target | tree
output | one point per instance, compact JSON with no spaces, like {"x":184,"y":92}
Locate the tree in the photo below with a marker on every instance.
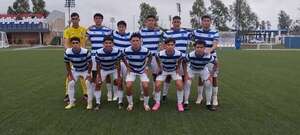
{"x":295,"y":27}
{"x":244,"y":19}
{"x":284,"y":20}
{"x":269,"y":25}
{"x":146,"y":10}
{"x":220,"y":14}
{"x":39,"y":7}
{"x":263,"y":25}
{"x":10,"y":10}
{"x":198,"y":10}
{"x":19,"y":6}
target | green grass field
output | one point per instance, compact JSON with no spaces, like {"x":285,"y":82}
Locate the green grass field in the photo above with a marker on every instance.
{"x":259,"y":95}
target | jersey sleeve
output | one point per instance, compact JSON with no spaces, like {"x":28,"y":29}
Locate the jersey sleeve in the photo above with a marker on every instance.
{"x":148,"y":53}
{"x":181,"y":56}
{"x":120,"y":54}
{"x":212,"y":59}
{"x":165,"y":35}
{"x":216,"y":36}
{"x":88,"y":33}
{"x":66,"y":58}
{"x":110,"y":32}
{"x":187,"y":58}
{"x":89,"y":57}
{"x":97,"y":57}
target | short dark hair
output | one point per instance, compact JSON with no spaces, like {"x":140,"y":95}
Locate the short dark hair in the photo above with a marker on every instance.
{"x":74,"y":14}
{"x":138,"y":35}
{"x":205,"y":17}
{"x":168,"y":40}
{"x":122,"y":23}
{"x":176,"y":18}
{"x":75,"y":39}
{"x":199,"y":42}
{"x":108,"y":38}
{"x":151,"y":16}
{"x":98,"y":15}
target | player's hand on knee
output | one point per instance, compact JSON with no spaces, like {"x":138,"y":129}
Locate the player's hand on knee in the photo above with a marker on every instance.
{"x":210,"y":78}
{"x":97,"y":87}
{"x":186,"y":77}
{"x":208,"y":50}
{"x":71,"y":77}
{"x":118,"y":81}
{"x":98,"y":80}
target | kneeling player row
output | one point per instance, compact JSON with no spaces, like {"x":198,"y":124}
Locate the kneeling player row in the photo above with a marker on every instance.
{"x":132,"y":63}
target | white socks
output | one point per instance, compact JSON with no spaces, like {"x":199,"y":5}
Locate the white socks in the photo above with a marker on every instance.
{"x":142,"y":89}
{"x":120,"y":95}
{"x":71,"y":91}
{"x":115,"y":90}
{"x":157,"y":96}
{"x":215,"y":95}
{"x":109,"y":89}
{"x":208,"y":91}
{"x":89,"y":87}
{"x":200,"y":92}
{"x":153,"y":91}
{"x":146,"y":100}
{"x":187,"y":90}
{"x":97,"y":94}
{"x":130,"y":100}
{"x":179,"y":96}
{"x":166,"y":88}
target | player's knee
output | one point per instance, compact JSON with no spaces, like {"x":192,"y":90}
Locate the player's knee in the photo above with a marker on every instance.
{"x":128,"y":84}
{"x":157,"y":85}
{"x":179,"y":84}
{"x":145,"y":85}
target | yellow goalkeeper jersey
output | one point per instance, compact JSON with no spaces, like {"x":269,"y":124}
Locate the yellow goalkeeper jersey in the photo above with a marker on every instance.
{"x":79,"y":32}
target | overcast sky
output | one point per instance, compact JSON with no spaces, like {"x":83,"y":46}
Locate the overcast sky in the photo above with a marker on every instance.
{"x":129,"y":9}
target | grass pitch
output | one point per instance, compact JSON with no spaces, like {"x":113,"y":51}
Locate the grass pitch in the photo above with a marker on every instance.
{"x":259,"y":95}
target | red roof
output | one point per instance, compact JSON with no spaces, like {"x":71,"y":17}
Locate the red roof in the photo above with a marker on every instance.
{"x":22,"y":15}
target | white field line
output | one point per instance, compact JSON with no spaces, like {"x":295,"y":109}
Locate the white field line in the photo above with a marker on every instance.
{"x":27,"y":48}
{"x":271,"y":49}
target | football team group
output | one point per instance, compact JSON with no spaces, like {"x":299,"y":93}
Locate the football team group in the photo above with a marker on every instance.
{"x":118,"y":57}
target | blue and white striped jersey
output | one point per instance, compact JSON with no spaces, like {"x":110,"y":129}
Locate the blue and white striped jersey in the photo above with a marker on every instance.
{"x":151,"y":39}
{"x":181,"y":36}
{"x":197,"y":63}
{"x":96,"y":36}
{"x":108,"y":60}
{"x":169,"y":62}
{"x":137,"y":59}
{"x":78,"y":60}
{"x":209,"y":36}
{"x":121,"y":41}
